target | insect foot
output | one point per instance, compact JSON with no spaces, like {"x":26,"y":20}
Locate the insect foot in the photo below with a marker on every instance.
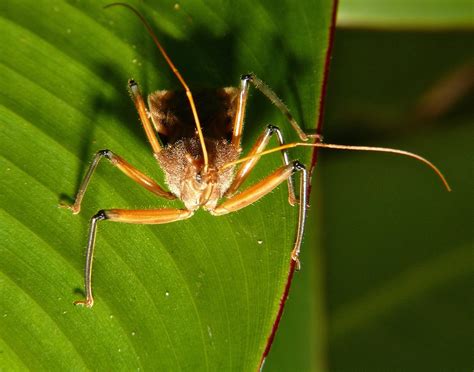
{"x":87,"y":303}
{"x":75,"y":209}
{"x":295,"y":257}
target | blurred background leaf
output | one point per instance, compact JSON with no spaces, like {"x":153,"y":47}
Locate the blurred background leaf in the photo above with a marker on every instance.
{"x":406,"y":14}
{"x":394,"y":258}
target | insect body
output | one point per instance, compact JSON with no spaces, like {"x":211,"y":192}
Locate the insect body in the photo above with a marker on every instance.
{"x":198,"y":154}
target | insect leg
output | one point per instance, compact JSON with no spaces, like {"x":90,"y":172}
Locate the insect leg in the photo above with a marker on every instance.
{"x":156,"y":216}
{"x":126,"y":168}
{"x":239,"y":117}
{"x":142,"y":112}
{"x":259,"y":146}
{"x":271,"y":95}
{"x":265,"y":186}
{"x":176,"y":72}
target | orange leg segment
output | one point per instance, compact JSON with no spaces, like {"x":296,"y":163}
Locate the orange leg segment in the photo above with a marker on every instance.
{"x":142,"y":112}
{"x":157,"y":216}
{"x":126,"y":168}
{"x":247,"y":166}
{"x":239,"y":117}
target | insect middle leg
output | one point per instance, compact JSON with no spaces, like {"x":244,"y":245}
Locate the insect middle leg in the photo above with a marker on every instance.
{"x":265,"y":186}
{"x":260,"y":144}
{"x":126,"y":168}
{"x":147,"y":216}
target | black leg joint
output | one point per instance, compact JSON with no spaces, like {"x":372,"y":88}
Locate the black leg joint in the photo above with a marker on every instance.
{"x":106,"y":153}
{"x":273,"y":128}
{"x":100,"y":216}
{"x":297,"y":166}
{"x":248,"y":77}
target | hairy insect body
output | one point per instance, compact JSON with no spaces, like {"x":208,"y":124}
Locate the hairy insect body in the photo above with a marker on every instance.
{"x":181,"y":159}
{"x":186,"y":177}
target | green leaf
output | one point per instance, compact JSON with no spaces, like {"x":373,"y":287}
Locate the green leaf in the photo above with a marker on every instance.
{"x":406,"y":14}
{"x":201,"y":294}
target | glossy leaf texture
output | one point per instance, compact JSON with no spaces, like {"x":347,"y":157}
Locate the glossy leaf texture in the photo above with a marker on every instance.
{"x":399,"y":277}
{"x":201,"y":294}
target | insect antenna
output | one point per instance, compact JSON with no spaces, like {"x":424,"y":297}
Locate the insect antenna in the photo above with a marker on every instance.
{"x":345,"y":147}
{"x":176,"y":72}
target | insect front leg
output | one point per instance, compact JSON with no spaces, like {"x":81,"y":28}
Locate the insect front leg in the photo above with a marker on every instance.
{"x":143,"y":113}
{"x":238,"y":128}
{"x":260,"y":144}
{"x":265,"y":186}
{"x":148,"y":217}
{"x":126,"y":168}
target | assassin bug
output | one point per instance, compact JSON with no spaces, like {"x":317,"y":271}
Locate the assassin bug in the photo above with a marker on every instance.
{"x":199,"y":160}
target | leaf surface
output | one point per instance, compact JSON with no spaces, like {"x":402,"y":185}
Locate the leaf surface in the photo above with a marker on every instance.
{"x":201,"y":294}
